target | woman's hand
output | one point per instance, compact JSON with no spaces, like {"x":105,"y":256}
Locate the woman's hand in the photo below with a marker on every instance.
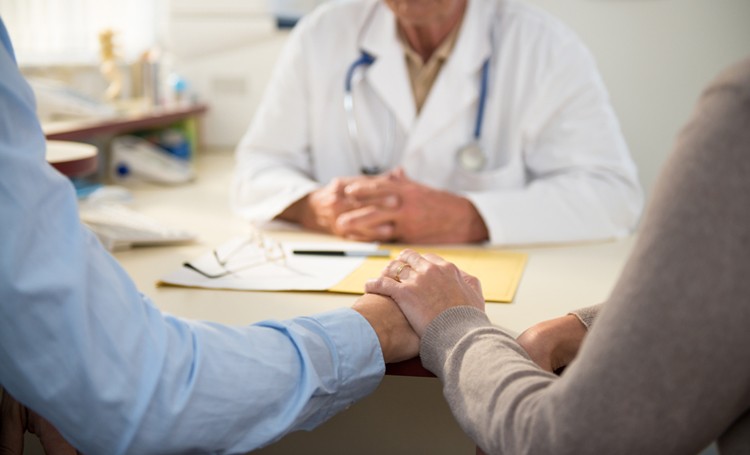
{"x":424,"y":286}
{"x":553,"y":344}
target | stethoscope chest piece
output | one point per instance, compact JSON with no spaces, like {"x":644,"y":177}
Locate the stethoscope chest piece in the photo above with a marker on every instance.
{"x":471,"y":158}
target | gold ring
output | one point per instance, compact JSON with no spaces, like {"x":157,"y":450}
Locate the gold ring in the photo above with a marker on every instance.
{"x":400,"y":269}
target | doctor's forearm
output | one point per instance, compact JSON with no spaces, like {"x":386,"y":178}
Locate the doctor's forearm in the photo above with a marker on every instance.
{"x":461,"y":222}
{"x":294,"y":211}
{"x":476,"y":227}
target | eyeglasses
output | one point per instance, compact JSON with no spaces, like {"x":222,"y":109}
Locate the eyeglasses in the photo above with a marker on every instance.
{"x":243,"y":254}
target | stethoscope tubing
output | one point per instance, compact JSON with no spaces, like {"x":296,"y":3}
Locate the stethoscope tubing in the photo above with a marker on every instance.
{"x":365,"y":59}
{"x":482,"y":99}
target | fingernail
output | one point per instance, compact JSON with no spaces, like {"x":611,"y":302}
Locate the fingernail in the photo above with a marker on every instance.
{"x":391,"y":202}
{"x":343,"y":221}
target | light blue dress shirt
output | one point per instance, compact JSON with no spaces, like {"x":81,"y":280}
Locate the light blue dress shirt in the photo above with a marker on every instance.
{"x":82,"y":346}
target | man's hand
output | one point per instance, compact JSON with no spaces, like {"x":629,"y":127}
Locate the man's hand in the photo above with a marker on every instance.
{"x":16,"y":419}
{"x":397,"y":339}
{"x":553,"y":344}
{"x":393,"y":207}
{"x":425,"y":286}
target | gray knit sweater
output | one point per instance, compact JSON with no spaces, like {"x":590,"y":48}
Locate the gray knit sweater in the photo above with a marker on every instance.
{"x":666,"y":367}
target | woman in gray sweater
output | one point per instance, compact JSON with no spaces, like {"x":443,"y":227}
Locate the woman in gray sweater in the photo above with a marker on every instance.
{"x":666,"y":368}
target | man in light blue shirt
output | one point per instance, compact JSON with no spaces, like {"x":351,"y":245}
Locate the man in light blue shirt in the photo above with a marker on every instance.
{"x":81,"y":346}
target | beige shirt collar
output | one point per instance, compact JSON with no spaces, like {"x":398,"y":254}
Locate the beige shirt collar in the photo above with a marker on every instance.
{"x":422,"y":75}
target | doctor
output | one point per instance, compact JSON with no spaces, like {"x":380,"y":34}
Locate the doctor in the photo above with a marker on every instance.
{"x":438,"y":121}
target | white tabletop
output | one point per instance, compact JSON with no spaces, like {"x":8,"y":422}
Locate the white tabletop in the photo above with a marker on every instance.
{"x":405,"y":415}
{"x":556,"y":279}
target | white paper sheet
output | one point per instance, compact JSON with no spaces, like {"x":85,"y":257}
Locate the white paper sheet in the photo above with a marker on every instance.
{"x":240,"y":264}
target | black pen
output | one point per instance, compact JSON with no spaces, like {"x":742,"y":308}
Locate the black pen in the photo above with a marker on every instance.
{"x":351,"y":253}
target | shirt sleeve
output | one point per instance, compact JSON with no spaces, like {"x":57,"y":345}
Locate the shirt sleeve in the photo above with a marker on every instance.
{"x":662,"y":370}
{"x":80,"y":345}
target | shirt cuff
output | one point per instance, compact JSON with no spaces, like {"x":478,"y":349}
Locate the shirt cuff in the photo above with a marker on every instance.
{"x":495,"y":231}
{"x":361,"y":366}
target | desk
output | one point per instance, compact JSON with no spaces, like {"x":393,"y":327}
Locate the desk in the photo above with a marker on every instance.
{"x":405,"y":414}
{"x":100,"y":131}
{"x":72,"y":158}
{"x":82,"y":130}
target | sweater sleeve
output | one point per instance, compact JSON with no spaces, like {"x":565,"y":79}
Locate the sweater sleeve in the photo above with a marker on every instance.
{"x":587,"y":314}
{"x":673,"y":329}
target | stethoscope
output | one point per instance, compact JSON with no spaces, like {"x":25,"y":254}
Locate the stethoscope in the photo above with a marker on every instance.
{"x":470,"y":157}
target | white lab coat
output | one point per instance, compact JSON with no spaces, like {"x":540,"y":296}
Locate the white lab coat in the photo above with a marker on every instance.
{"x":558,"y":168}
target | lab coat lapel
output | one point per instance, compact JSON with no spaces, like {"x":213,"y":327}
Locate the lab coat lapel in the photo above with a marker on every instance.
{"x":456,"y":88}
{"x":388,"y":75}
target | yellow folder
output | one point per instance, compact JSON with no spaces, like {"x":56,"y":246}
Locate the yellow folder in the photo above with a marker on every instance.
{"x":499,"y":271}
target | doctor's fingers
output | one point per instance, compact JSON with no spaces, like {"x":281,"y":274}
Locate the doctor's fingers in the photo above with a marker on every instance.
{"x":334,"y":192}
{"x":397,"y":174}
{"x":329,"y":202}
{"x":386,"y":201}
{"x":366,"y":224}
{"x":339,"y":184}
{"x":375,"y":191}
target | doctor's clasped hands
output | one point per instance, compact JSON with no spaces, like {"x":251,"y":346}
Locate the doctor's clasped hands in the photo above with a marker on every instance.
{"x":389,"y":207}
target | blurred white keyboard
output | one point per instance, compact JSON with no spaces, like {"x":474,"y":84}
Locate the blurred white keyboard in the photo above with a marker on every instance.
{"x":120,"y":227}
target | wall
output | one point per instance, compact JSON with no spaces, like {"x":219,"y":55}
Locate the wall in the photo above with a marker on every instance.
{"x":655,"y":57}
{"x":226,"y":49}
